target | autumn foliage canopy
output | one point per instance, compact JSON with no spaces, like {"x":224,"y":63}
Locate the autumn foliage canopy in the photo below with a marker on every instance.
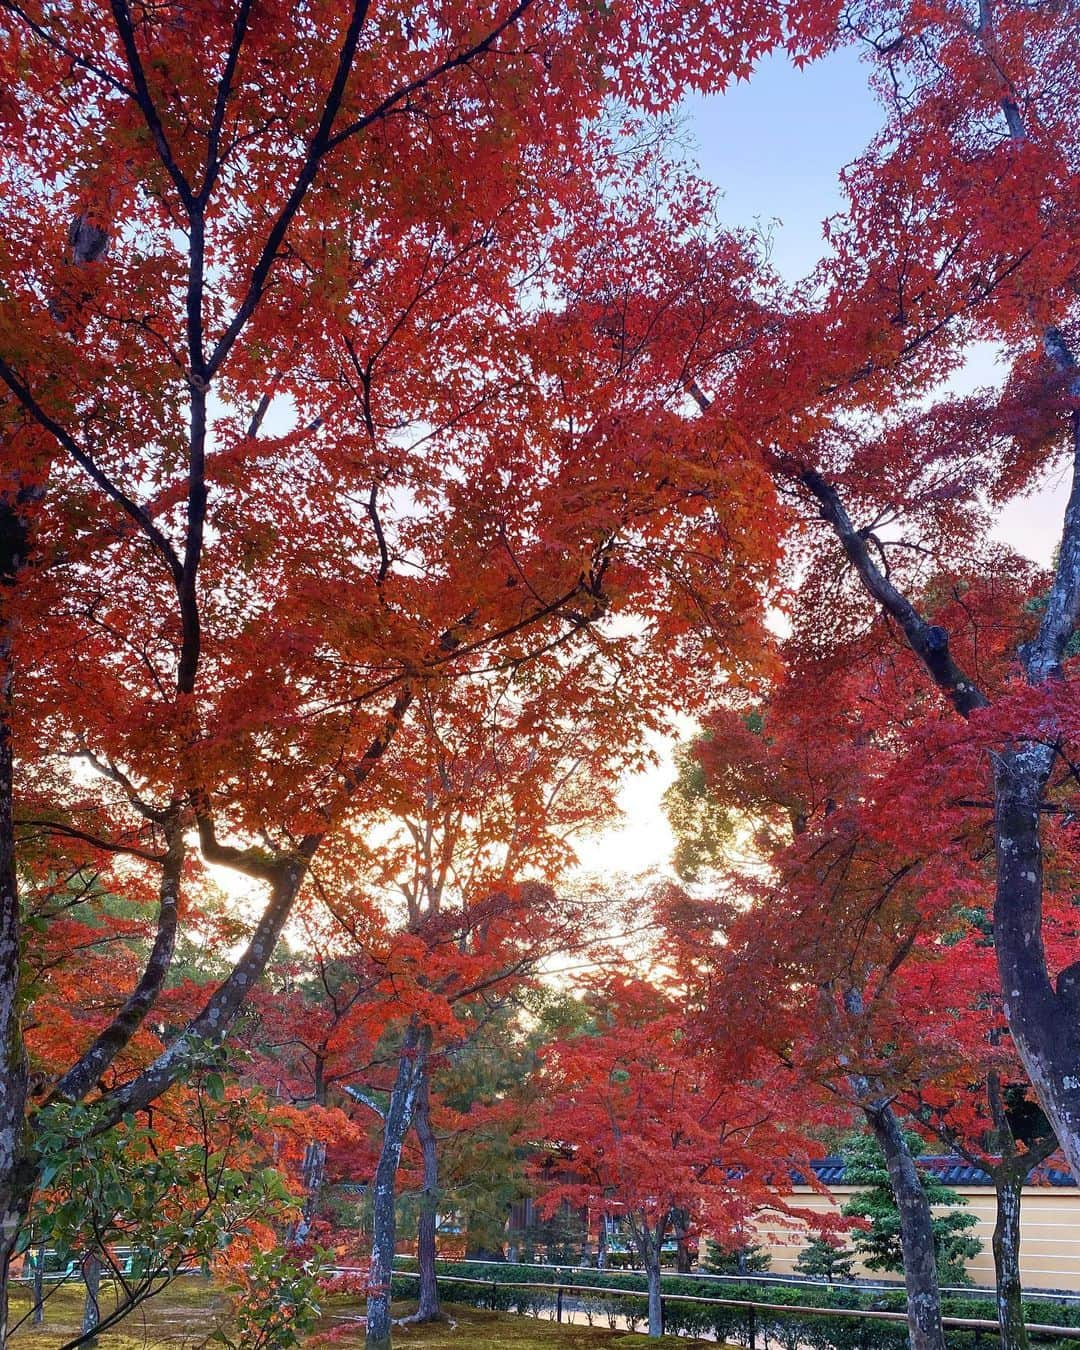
{"x":392,"y":440}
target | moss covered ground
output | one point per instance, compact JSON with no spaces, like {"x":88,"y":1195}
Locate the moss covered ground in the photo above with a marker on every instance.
{"x":185,"y":1315}
{"x":477,"y":1329}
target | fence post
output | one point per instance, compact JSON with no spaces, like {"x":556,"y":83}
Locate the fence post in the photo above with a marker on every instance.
{"x":558,"y":1304}
{"x":494,"y":1296}
{"x":752,"y":1320}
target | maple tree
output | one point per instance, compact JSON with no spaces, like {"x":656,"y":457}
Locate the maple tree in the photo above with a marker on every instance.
{"x":493,"y":795}
{"x":898,"y":1003}
{"x":353,"y":1037}
{"x":196,"y":1180}
{"x":640,"y":1125}
{"x":961,"y":226}
{"x":981,"y":1107}
{"x":497,"y":798}
{"x":818,"y":796}
{"x":455,"y":962}
{"x":343,"y":351}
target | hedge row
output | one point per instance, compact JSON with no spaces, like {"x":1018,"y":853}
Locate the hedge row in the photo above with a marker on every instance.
{"x":693,"y":1318}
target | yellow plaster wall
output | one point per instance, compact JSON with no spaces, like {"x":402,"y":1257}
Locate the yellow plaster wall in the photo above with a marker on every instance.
{"x":1049,"y":1233}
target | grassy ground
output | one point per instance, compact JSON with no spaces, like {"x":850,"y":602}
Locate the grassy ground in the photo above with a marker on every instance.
{"x":185,"y":1315}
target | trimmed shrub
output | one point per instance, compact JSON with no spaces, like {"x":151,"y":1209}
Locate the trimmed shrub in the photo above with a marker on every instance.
{"x":687,"y":1315}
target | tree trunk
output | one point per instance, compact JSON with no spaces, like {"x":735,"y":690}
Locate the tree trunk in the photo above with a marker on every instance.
{"x":311,"y":1173}
{"x":651,"y":1256}
{"x":91,"y":1273}
{"x":5,"y":1264}
{"x":648,"y":1243}
{"x":1006,"y":1244}
{"x":428,"y":1309}
{"x":1044,"y":1020}
{"x":399,"y":1111}
{"x":925,"y":1331}
{"x":313,"y":1168}
{"x":17,"y":1189}
{"x":16,"y":1175}
{"x":38,"y":1318}
{"x":683,"y":1260}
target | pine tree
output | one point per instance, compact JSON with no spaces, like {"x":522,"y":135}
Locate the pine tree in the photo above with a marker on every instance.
{"x":737,"y":1260}
{"x":824,"y":1258}
{"x":879,"y":1246}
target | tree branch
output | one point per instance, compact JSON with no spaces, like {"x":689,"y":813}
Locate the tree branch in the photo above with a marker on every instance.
{"x":929,"y":642}
{"x":210,"y":1024}
{"x":127,"y":505}
{"x":1041,"y":658}
{"x":213,"y":140}
{"x":365,"y":1099}
{"x":122,"y":19}
{"x":85,"y":1072}
{"x":317,"y":149}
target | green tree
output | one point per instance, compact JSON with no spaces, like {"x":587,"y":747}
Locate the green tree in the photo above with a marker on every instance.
{"x":826,"y":1258}
{"x":739,"y":1259}
{"x":171,"y":1201}
{"x":482,"y":1088}
{"x":879,"y":1245}
{"x":703,"y":829}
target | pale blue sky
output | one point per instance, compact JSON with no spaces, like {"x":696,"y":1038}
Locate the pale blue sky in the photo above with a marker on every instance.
{"x":776,"y":145}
